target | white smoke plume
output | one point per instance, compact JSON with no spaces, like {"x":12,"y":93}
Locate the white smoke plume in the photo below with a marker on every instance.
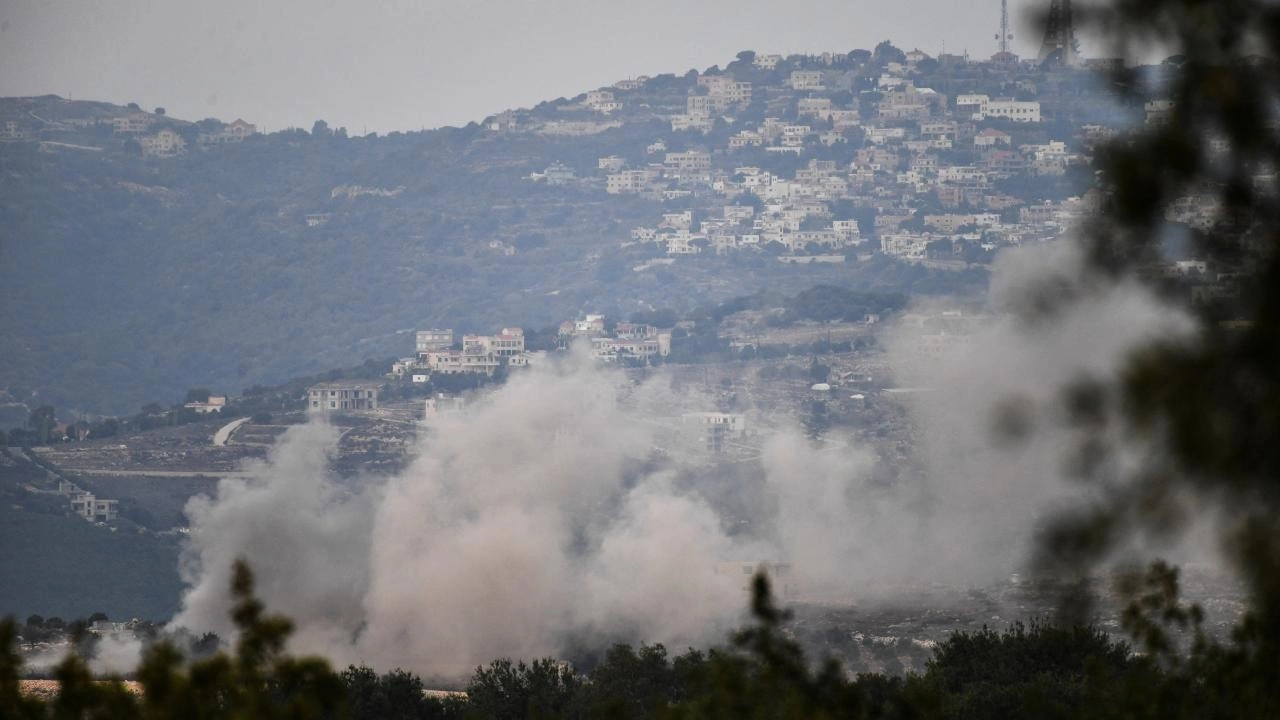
{"x":115,"y":654}
{"x":521,"y":522}
{"x":971,"y":514}
{"x":543,"y":516}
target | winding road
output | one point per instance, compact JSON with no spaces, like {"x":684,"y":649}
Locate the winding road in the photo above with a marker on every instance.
{"x":224,"y":433}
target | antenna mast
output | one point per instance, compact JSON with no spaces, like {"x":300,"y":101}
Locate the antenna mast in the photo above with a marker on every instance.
{"x":1059,"y":35}
{"x":1005,"y":36}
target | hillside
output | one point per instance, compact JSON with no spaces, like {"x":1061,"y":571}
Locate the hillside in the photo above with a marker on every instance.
{"x":142,"y":255}
{"x":56,"y":564}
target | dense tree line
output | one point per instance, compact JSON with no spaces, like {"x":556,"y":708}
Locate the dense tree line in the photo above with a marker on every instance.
{"x":1034,"y":671}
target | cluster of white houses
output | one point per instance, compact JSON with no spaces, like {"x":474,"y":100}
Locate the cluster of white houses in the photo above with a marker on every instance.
{"x":907,"y":141}
{"x":628,"y":342}
{"x":436,"y":352}
{"x":158,"y":136}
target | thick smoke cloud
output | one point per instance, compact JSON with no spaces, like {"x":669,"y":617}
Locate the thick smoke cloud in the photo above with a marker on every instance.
{"x":526,"y":520}
{"x":546,"y":516}
{"x":969,"y":513}
{"x":307,"y":537}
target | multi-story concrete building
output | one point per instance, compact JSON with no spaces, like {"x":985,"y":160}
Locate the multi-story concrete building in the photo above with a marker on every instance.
{"x":629,"y":181}
{"x":806,"y":80}
{"x":508,"y":343}
{"x":93,"y":509}
{"x":165,"y":143}
{"x":691,"y":160}
{"x":1023,"y":111}
{"x":343,"y":396}
{"x":131,"y":124}
{"x":441,"y":405}
{"x":427,"y":340}
{"x":611,"y":164}
{"x":712,"y":429}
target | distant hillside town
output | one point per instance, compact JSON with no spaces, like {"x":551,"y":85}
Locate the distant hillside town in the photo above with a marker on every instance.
{"x":58,"y":124}
{"x":827,"y":158}
{"x":884,"y":169}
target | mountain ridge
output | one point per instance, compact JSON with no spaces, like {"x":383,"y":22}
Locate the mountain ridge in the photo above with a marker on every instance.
{"x":134,"y":272}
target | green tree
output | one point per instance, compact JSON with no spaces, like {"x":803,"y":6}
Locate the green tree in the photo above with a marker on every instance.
{"x":886,"y":53}
{"x":397,"y":695}
{"x":257,"y":681}
{"x":1028,"y":671}
{"x":507,"y":690}
{"x":637,"y":684}
{"x":1206,"y":404}
{"x":198,"y":395}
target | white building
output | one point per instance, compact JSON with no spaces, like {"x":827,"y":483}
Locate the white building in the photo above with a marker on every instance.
{"x":691,"y":160}
{"x":905,"y":246}
{"x":427,"y":340}
{"x":745,"y":138}
{"x":813,"y":106}
{"x":131,"y":124}
{"x":89,"y":507}
{"x":215,"y":403}
{"x":611,"y":164}
{"x":591,"y":325}
{"x":806,"y":80}
{"x":342,"y":396}
{"x":165,"y":143}
{"x":440,"y":405}
{"x":1023,"y":111}
{"x":558,"y":173}
{"x":509,"y":343}
{"x":629,"y":181}
{"x":601,"y":101}
{"x":481,"y":354}
{"x":699,"y":122}
{"x":712,"y":429}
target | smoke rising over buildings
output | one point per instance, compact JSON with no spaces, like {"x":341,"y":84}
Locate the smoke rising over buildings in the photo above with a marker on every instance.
{"x":549,"y":515}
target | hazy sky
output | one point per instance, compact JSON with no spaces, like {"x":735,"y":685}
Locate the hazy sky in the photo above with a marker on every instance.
{"x":381,"y":65}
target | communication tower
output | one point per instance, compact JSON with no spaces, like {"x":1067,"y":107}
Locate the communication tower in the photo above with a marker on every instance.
{"x":1004,"y":35}
{"x":1059,"y":35}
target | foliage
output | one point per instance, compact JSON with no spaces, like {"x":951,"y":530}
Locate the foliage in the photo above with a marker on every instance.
{"x":506,"y":690}
{"x":1035,"y":671}
{"x":1204,"y":407}
{"x":828,"y":302}
{"x":256,"y":681}
{"x":397,"y":695}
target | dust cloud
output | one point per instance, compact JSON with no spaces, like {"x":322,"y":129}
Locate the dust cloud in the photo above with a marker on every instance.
{"x":549,"y":515}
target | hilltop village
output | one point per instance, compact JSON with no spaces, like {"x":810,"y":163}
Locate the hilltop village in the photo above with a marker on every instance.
{"x":831,"y":158}
{"x":875,"y":170}
{"x":826,"y":158}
